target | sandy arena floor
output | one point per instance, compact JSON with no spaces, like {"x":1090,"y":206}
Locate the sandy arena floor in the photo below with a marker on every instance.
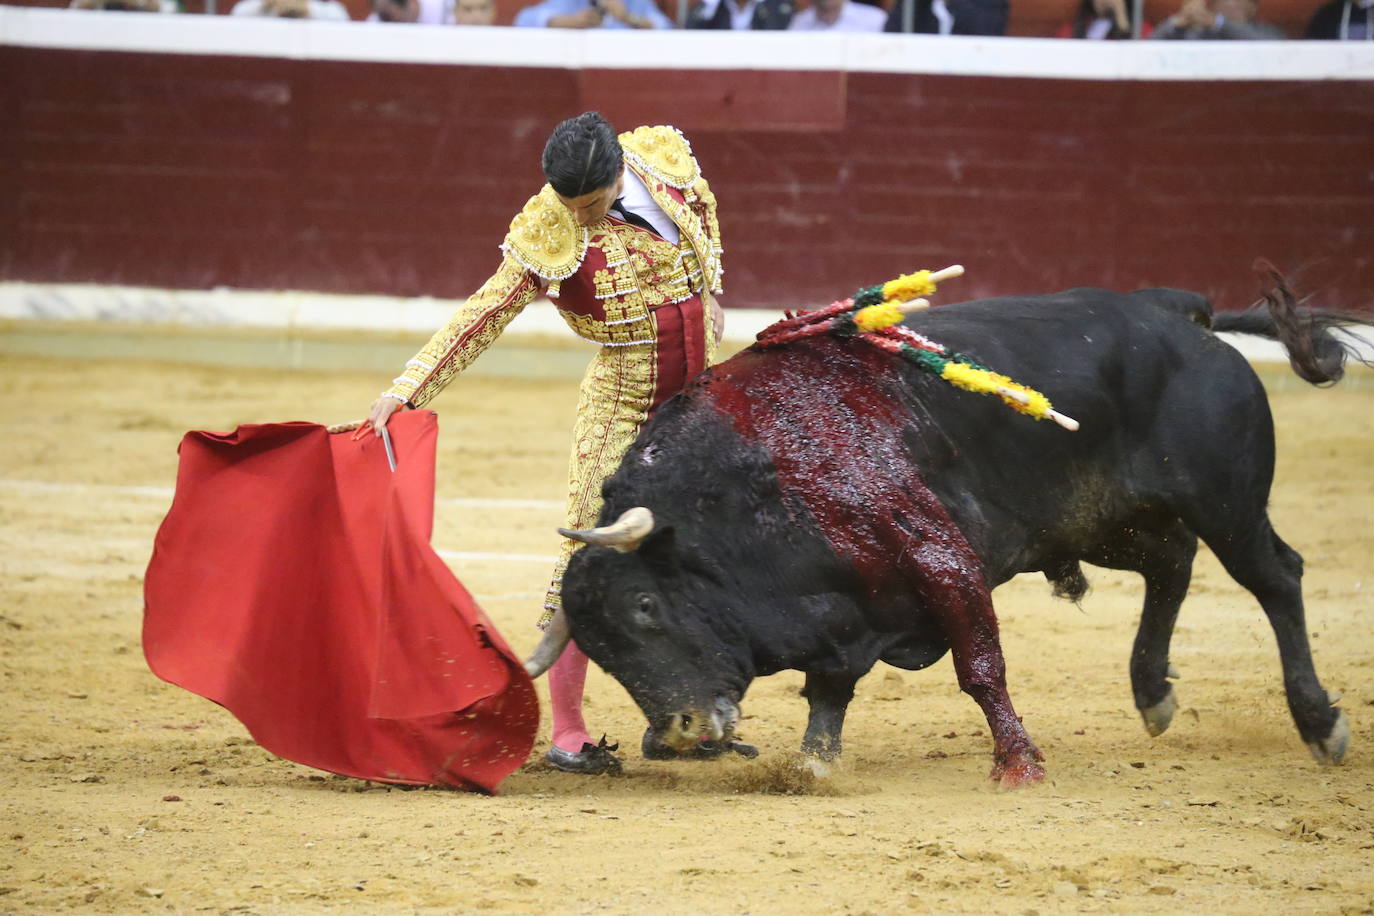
{"x":122,"y":794}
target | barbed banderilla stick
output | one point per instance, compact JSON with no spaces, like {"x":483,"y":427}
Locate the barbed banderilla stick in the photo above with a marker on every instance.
{"x":1021,"y":397}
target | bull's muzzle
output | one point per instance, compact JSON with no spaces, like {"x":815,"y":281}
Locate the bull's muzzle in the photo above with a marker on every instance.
{"x":682,"y":731}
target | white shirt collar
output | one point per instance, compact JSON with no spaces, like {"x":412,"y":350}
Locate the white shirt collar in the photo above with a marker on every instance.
{"x":636,"y":199}
{"x":742,"y":19}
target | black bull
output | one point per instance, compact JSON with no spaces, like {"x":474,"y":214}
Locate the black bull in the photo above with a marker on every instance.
{"x":822,"y":506}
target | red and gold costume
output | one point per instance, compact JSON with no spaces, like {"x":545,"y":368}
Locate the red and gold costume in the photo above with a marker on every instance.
{"x":624,"y":287}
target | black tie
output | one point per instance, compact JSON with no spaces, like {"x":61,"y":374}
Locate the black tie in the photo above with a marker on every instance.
{"x":634,"y":219}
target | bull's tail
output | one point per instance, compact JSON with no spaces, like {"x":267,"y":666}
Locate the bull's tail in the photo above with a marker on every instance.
{"x":1317,"y":341}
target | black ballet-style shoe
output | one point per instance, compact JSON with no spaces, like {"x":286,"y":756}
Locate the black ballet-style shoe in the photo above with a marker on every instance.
{"x":592,"y":760}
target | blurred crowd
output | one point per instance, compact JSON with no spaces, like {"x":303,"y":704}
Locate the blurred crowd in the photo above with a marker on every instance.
{"x":1347,"y":20}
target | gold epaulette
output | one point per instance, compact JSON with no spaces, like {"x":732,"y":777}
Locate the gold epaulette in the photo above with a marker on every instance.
{"x":546,"y":239}
{"x":662,"y":152}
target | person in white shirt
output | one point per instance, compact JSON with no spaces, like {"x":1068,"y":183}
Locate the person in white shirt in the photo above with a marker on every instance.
{"x":593,"y":14}
{"x":474,"y":12}
{"x":328,"y":10}
{"x":424,"y":12}
{"x":839,"y":16}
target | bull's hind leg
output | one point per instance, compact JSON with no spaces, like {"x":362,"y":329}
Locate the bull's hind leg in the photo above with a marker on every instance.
{"x":1258,"y":559}
{"x":1162,"y":552}
{"x":1166,"y":585}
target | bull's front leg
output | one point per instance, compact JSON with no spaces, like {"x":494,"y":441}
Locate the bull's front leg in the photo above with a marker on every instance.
{"x":828,"y":696}
{"x":970,"y":624}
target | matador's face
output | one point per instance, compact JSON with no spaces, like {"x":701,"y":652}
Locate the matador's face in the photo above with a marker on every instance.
{"x":593,"y":207}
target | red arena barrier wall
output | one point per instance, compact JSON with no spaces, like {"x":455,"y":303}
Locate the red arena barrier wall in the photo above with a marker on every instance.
{"x":263,"y":162}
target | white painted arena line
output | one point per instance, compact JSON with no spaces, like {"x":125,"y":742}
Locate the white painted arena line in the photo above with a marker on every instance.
{"x":34,"y":488}
{"x":473,"y":502}
{"x":44,"y":486}
{"x":462,"y":502}
{"x":293,"y":310}
{"x":470,"y":556}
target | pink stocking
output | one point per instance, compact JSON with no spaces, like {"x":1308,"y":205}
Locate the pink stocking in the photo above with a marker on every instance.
{"x":566,"y":680}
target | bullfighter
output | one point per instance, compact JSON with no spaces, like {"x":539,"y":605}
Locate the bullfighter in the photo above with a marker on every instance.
{"x":624,"y":240}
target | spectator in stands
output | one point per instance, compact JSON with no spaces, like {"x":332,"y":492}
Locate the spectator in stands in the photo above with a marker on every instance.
{"x":474,"y":12}
{"x":128,"y":6}
{"x":593,"y":14}
{"x":402,"y":11}
{"x":1346,"y":20}
{"x":838,"y":16}
{"x":949,"y":17}
{"x":741,"y":14}
{"x":434,"y":12}
{"x":328,"y":10}
{"x":1102,"y":19}
{"x":1223,"y":19}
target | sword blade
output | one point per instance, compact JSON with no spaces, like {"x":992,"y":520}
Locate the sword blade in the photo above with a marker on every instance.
{"x":390,"y":454}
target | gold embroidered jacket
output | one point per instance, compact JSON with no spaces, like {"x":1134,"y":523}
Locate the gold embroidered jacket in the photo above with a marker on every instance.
{"x":604,"y":279}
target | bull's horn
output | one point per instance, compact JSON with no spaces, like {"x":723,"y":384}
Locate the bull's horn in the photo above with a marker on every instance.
{"x":624,"y":534}
{"x":555,"y":640}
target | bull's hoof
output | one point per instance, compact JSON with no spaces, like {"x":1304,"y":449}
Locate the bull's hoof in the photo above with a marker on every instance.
{"x":707,"y":749}
{"x":654,"y":749}
{"x":747,"y":751}
{"x":828,"y":751}
{"x":1158,"y":716}
{"x":1331,"y":749}
{"x":1016,"y":774}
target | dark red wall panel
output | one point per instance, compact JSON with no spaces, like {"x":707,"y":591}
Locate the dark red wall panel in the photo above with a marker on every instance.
{"x":719,"y":99}
{"x":193,"y":172}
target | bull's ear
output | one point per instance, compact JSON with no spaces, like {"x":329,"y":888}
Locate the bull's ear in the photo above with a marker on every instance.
{"x":659,"y":550}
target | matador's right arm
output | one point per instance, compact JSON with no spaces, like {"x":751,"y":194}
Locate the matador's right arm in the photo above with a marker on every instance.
{"x":544,"y":244}
{"x":474,"y":327}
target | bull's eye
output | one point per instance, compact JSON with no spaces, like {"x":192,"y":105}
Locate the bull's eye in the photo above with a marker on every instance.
{"x":646,"y":610}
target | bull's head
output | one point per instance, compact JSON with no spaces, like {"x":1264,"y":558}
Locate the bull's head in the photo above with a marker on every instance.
{"x":628,"y":602}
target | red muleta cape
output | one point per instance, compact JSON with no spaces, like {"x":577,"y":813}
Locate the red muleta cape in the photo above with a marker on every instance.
{"x":293,"y":583}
